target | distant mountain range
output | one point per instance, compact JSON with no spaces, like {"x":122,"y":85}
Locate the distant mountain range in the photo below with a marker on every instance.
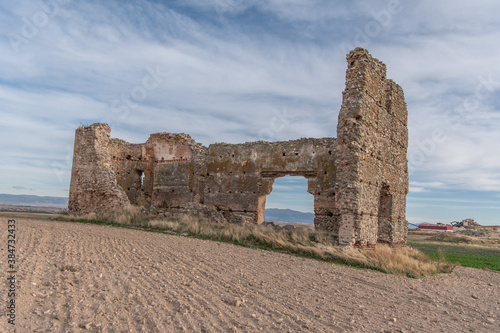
{"x":33,"y":200}
{"x":270,"y":215}
{"x":288,"y":215}
{"x":293,"y":216}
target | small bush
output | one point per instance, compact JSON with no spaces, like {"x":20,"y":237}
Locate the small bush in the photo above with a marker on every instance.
{"x":68,"y":268}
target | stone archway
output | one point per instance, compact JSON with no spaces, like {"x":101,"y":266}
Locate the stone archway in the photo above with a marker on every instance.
{"x":290,"y":193}
{"x":268,"y":177}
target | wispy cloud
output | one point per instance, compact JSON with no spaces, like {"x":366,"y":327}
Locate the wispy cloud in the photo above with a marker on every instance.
{"x":427,"y":184}
{"x":21,"y":188}
{"x":415,"y":189}
{"x":416,"y":220}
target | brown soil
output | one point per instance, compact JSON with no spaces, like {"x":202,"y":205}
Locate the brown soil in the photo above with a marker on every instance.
{"x":20,"y":209}
{"x":136,"y":281}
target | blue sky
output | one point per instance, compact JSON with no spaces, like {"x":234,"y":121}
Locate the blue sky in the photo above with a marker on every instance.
{"x":225,"y":70}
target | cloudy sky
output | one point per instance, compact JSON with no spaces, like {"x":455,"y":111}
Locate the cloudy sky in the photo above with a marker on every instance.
{"x":245,"y":70}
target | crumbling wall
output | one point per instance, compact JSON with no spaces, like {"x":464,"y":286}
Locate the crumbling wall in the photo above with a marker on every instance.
{"x":176,"y":161}
{"x":162,"y":172}
{"x":239,"y":177}
{"x":129,"y":164}
{"x":359,"y":181}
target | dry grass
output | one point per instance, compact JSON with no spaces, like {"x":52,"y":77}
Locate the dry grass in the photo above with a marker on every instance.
{"x":404,"y":260}
{"x":130,"y":215}
{"x":319,"y":245}
{"x":305,"y":242}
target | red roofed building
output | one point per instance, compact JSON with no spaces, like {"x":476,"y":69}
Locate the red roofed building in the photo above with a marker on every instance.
{"x":435,"y":227}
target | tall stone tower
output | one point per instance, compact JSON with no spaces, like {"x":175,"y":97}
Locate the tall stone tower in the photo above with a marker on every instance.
{"x":372,"y":141}
{"x":93,"y":183}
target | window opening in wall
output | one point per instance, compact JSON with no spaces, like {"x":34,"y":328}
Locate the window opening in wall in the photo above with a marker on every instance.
{"x":142,"y":178}
{"x":289,"y":201}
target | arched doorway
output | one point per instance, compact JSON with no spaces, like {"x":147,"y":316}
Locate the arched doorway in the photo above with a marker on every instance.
{"x":384,"y":215}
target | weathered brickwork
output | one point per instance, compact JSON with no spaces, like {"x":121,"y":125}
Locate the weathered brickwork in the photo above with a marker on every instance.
{"x":372,"y":173}
{"x":93,"y":183}
{"x":359,"y":180}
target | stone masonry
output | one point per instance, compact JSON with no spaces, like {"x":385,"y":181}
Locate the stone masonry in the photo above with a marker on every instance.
{"x":359,"y":180}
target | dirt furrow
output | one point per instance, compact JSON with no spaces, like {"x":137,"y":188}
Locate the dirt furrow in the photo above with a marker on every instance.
{"x":77,"y":277}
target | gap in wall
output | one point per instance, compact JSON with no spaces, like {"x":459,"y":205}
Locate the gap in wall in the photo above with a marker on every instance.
{"x":290,"y":196}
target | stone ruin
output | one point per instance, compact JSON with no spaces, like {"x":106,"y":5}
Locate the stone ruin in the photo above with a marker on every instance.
{"x":359,"y":180}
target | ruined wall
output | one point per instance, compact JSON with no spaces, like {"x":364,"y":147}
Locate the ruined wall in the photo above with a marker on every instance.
{"x":161,"y":171}
{"x":129,"y":164}
{"x":178,"y":159}
{"x":359,"y":181}
{"x":239,"y":177}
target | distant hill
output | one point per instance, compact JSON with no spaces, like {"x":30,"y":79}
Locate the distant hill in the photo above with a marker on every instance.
{"x":293,"y":216}
{"x":33,"y":200}
{"x":288,"y":215}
